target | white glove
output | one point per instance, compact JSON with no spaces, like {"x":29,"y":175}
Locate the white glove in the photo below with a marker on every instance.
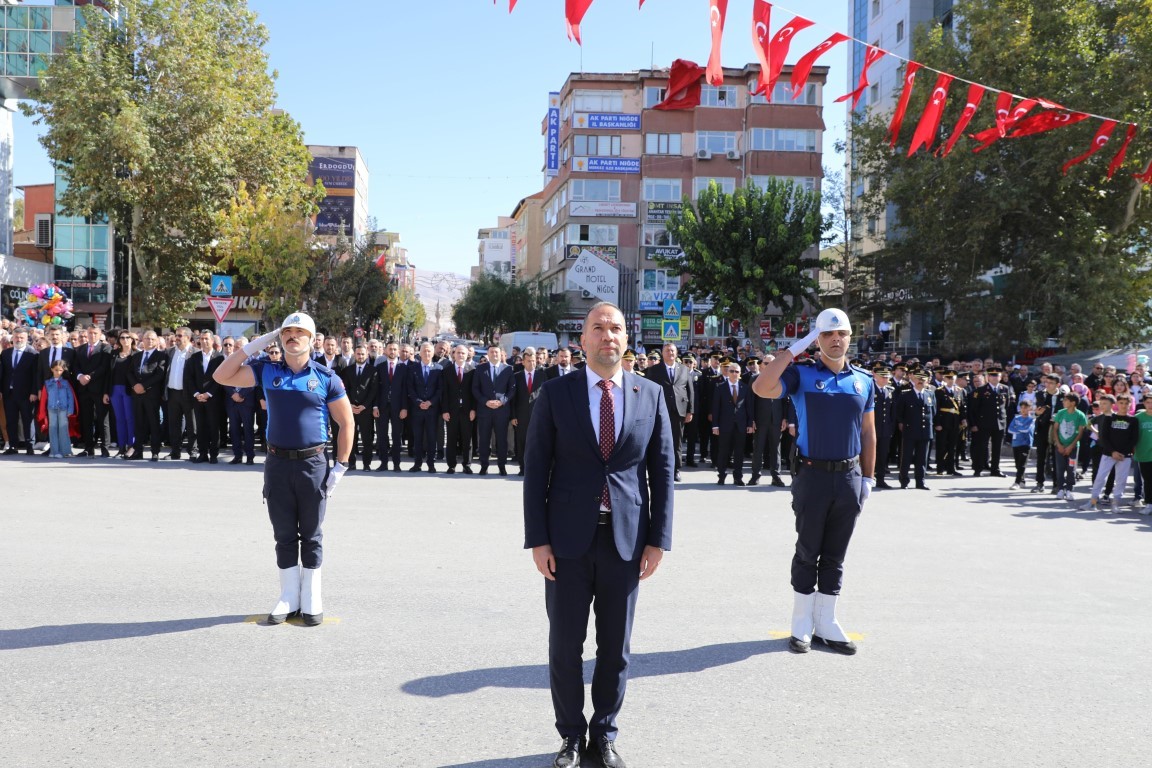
{"x":866,"y":486}
{"x":334,"y":476}
{"x":801,"y":346}
{"x":257,"y":344}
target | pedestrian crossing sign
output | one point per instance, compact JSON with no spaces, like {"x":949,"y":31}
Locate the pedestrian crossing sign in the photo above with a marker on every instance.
{"x":221,"y":285}
{"x":671,"y":331}
{"x":672,"y":309}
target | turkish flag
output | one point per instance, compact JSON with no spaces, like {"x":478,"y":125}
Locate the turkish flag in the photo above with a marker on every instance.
{"x":717,"y":12}
{"x":1006,"y":119}
{"x":1145,"y":177}
{"x":933,"y":112}
{"x":683,"y":86}
{"x":761,"y":23}
{"x":1048,"y":120}
{"x":1103,"y":134}
{"x":382,"y":259}
{"x":1119,"y":159}
{"x":902,"y":105}
{"x":511,"y":5}
{"x":574,"y":11}
{"x":778,"y":51}
{"x":872,"y":56}
{"x":975,"y":96}
{"x":804,"y":66}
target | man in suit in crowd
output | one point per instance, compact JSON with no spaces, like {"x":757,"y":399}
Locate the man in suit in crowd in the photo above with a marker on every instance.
{"x":391,"y":410}
{"x":330,"y":357}
{"x":678,"y":393}
{"x":147,"y":373}
{"x":915,"y":409}
{"x":93,"y":365}
{"x":598,"y":519}
{"x":988,"y":411}
{"x":206,"y":394}
{"x":528,"y":382}
{"x":20,"y":382}
{"x":457,"y":409}
{"x":768,"y":416}
{"x":425,"y":381}
{"x":563,"y":364}
{"x":732,"y":419}
{"x":180,"y":416}
{"x":692,"y":436}
{"x":56,"y":351}
{"x":710,"y":374}
{"x":492,"y":391}
{"x":361,"y":382}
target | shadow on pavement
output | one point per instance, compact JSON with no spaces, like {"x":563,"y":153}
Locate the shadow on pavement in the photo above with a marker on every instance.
{"x":62,"y":634}
{"x":642,"y":665}
{"x":528,"y":761}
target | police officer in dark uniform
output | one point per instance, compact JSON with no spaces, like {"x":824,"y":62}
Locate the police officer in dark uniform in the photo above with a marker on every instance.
{"x":302,"y":396}
{"x":832,"y":472}
{"x":950,"y":416}
{"x":692,"y":436}
{"x":710,"y":373}
{"x":885,"y":417}
{"x":991,"y":405}
{"x":914,"y":411}
{"x":769,"y":420}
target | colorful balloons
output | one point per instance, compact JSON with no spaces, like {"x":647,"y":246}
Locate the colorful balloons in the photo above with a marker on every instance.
{"x":44,"y":306}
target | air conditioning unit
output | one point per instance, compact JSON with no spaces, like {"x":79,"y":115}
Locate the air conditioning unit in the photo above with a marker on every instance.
{"x":732,"y":154}
{"x":43,"y":230}
{"x":586,"y":294}
{"x":703,"y":154}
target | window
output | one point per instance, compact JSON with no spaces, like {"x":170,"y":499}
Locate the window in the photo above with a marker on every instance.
{"x":595,"y":146}
{"x":658,"y":234}
{"x":565,"y":153}
{"x":875,"y":8}
{"x":873,"y":224}
{"x":782,"y":140}
{"x":662,"y":190}
{"x":700,"y":183}
{"x":753,"y":84}
{"x":899,"y":31}
{"x":716,"y":142}
{"x":662,"y":144}
{"x":653,"y":96}
{"x":598,"y":101}
{"x":659,"y":280}
{"x":874,"y":94}
{"x":807,"y":182}
{"x":782,"y":94}
{"x":593,"y":234}
{"x":718,"y":96}
{"x":595,"y":189}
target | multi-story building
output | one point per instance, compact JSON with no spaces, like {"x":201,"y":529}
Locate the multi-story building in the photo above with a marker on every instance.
{"x":344,"y":209}
{"x":621,"y":168}
{"x":395,"y":259}
{"x":497,"y":249}
{"x":527,"y":235}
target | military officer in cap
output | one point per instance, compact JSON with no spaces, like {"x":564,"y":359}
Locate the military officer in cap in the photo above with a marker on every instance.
{"x":885,"y":416}
{"x":628,"y":361}
{"x":914,"y":411}
{"x":988,"y":418}
{"x":949,"y":418}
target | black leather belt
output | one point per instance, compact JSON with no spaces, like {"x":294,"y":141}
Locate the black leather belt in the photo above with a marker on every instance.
{"x":605,"y":517}
{"x":828,"y":466}
{"x":305,"y":453}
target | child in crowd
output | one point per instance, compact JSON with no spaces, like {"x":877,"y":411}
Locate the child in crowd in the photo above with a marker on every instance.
{"x":1143,"y":454}
{"x":1022,"y":430}
{"x":60,"y":402}
{"x":1068,"y":426}
{"x":1118,"y":435}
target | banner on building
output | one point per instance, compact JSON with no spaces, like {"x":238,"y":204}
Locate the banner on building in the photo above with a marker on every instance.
{"x":552,"y":146}
{"x":606,"y":121}
{"x":595,"y":271}
{"x":606,"y":164}
{"x":338,"y":208}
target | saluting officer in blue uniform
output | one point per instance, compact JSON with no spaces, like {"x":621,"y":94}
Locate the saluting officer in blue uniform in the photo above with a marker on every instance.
{"x":302,"y":394}
{"x":832,"y":470}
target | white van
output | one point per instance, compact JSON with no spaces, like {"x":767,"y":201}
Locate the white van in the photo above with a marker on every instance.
{"x":525,"y":339}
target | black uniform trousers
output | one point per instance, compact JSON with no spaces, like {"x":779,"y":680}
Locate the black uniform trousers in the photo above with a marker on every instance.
{"x":294,"y":493}
{"x":947,"y":443}
{"x":883,"y":447}
{"x":914,"y":453}
{"x":487,"y":420}
{"x":691,"y":440}
{"x":983,"y":459}
{"x":604,"y":578}
{"x":242,"y":425}
{"x":767,"y":436}
{"x":95,"y":427}
{"x":826,"y":506}
{"x":458,"y":439}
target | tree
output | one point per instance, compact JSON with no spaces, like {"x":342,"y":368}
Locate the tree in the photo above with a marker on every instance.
{"x":1015,"y":251}
{"x":346,"y":288}
{"x":492,"y":305}
{"x":846,"y":264}
{"x":403,"y":313}
{"x":749,"y":250}
{"x":157,"y":119}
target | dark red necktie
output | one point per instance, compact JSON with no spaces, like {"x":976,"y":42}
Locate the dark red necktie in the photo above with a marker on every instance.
{"x":529,"y":383}
{"x":607,"y":433}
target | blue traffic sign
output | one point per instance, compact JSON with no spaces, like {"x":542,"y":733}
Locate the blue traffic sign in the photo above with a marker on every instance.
{"x":221,"y":285}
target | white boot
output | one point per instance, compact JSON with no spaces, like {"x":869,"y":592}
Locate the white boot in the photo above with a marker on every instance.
{"x":828,"y":630}
{"x":802,"y":622}
{"x":289,"y":603}
{"x":311,"y":606}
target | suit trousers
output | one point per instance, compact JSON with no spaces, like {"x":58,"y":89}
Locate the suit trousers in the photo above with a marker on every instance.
{"x":1044,"y":453}
{"x":207,"y":428}
{"x":146,"y":411}
{"x":766,"y":439}
{"x":522,"y":438}
{"x":487,"y":420}
{"x":604,"y":579}
{"x":181,"y":425}
{"x":18,"y":410}
{"x":826,"y":506}
{"x":389,"y":437}
{"x":914,"y":454}
{"x":730,"y":453}
{"x":364,"y":435}
{"x":677,"y":423}
{"x":983,"y":459}
{"x":424,"y":433}
{"x":883,"y":447}
{"x":458,"y":438}
{"x":294,"y":493}
{"x":241,"y":418}
{"x":691,"y":439}
{"x":94,"y":424}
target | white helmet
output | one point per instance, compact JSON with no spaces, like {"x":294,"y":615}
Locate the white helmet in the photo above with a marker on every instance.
{"x":832,"y":320}
{"x":300,"y":320}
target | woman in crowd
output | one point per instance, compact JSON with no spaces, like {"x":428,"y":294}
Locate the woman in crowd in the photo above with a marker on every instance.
{"x":119,"y":394}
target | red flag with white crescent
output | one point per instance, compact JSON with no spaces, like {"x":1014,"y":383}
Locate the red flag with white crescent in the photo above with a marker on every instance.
{"x":1119,"y":159}
{"x":717,"y":11}
{"x":933,"y":112}
{"x":902,"y":105}
{"x":1048,"y":120}
{"x":574,"y":11}
{"x":1103,"y":134}
{"x":804,"y":65}
{"x":684,"y":85}
{"x":761,"y":23}
{"x":872,"y":56}
{"x":1145,"y":177}
{"x":1006,"y":118}
{"x":1003,"y":112}
{"x":975,"y":96}
{"x":778,"y":51}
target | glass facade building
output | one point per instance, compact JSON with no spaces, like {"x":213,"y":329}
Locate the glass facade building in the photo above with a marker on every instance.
{"x":82,"y":253}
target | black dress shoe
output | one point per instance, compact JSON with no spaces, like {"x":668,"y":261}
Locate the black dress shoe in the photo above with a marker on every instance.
{"x":86,"y":452}
{"x":503,"y":472}
{"x":452,"y":470}
{"x":921,"y":487}
{"x":11,"y":451}
{"x":250,"y":460}
{"x":155,"y":457}
{"x":175,"y":455}
{"x":796,"y":645}
{"x":467,"y":470}
{"x":395,"y":466}
{"x":47,"y":452}
{"x":846,"y":647}
{"x":415,"y":468}
{"x":777,"y":482}
{"x":998,"y":473}
{"x":431,"y":467}
{"x":720,"y":480}
{"x":236,"y":460}
{"x":605,"y":749}
{"x":103,"y":453}
{"x":570,"y":752}
{"x":690,"y":464}
{"x":738,"y":481}
{"x":976,"y":473}
{"x":903,"y":486}
{"x":200,"y":460}
{"x":879,"y":484}
{"x":676,"y":476}
{"x":754,"y":480}
{"x":29,"y":451}
{"x":956,"y":474}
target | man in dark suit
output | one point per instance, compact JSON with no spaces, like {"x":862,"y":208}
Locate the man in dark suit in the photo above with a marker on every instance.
{"x":915,"y":409}
{"x":425,"y":380}
{"x":361,"y":382}
{"x":885,"y":418}
{"x":492,"y":391}
{"x":528,"y":382}
{"x":206,"y":396}
{"x":563,"y":364}
{"x":768,"y":416}
{"x":732,"y":418}
{"x":678,"y":393}
{"x":56,"y":351}
{"x":147,"y":373}
{"x":598,"y":518}
{"x":180,"y":410}
{"x":709,"y":375}
{"x":93,"y":366}
{"x":391,"y":409}
{"x":692,"y":436}
{"x":457,"y":409}
{"x":988,"y":411}
{"x":20,"y":382}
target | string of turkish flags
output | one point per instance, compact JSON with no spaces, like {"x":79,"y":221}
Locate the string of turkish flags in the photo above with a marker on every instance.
{"x":1012,"y":121}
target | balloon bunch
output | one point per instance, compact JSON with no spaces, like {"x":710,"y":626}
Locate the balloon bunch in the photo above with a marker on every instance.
{"x":44,"y":306}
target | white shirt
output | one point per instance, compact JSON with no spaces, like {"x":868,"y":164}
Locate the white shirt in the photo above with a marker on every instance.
{"x":176,"y":371}
{"x":594,"y":395}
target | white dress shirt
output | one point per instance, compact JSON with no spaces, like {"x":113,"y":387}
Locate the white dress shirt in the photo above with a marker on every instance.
{"x":176,"y":371}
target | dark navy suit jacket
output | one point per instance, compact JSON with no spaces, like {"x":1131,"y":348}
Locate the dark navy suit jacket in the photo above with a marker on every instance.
{"x":484,"y":389}
{"x":420,"y":390}
{"x":564,"y":472}
{"x":392,"y":395}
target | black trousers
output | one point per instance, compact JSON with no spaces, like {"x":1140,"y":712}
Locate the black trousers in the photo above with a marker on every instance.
{"x":294,"y":493}
{"x":692,"y":439}
{"x":21,"y":427}
{"x":1044,"y":456}
{"x":389,"y":437}
{"x":677,"y":423}
{"x":424,"y":434}
{"x":95,"y":427}
{"x":766,"y":439}
{"x":207,"y":428}
{"x":181,"y":425}
{"x":947,"y":445}
{"x":487,"y":420}
{"x":914,"y":453}
{"x":522,"y":438}
{"x":602,"y":578}
{"x":730,"y":453}
{"x":1020,"y":454}
{"x":364,"y":435}
{"x":986,"y":445}
{"x":241,"y":425}
{"x":146,"y":408}
{"x":826,"y":506}
{"x":458,"y":439}
{"x":883,"y":447}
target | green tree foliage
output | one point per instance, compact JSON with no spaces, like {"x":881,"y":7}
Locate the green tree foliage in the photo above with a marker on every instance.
{"x":491,"y":305}
{"x":158,"y":119}
{"x":1074,"y":249}
{"x":403,"y":314}
{"x":346,"y":289}
{"x":749,"y":250}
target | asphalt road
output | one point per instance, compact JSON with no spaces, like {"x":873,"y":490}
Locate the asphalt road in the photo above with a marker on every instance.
{"x":995,"y":628}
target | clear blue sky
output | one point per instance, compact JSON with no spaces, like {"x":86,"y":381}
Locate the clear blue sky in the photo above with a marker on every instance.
{"x":445,"y":99}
